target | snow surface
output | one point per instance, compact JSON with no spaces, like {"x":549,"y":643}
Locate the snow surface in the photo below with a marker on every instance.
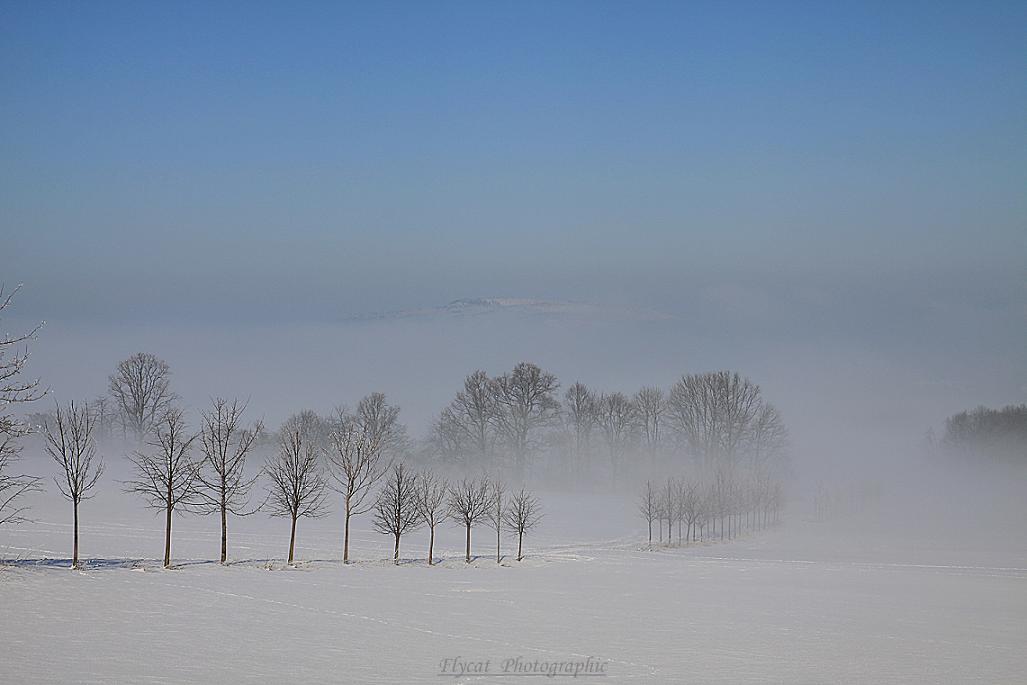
{"x":802,"y":603}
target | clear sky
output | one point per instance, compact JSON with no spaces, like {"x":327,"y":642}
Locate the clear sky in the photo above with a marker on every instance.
{"x":301,"y":160}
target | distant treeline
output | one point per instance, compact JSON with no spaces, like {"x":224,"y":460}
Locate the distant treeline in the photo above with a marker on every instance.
{"x":984,"y":433}
{"x":521,"y":424}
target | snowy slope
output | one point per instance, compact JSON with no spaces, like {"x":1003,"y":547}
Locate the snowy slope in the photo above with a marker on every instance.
{"x":847,"y":601}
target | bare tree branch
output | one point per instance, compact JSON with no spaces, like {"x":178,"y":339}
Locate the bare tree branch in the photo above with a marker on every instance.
{"x":14,"y":389}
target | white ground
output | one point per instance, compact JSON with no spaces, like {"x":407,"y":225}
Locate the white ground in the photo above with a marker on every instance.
{"x":803,"y":603}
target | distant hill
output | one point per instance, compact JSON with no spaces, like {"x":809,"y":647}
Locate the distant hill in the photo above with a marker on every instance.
{"x":484,"y":306}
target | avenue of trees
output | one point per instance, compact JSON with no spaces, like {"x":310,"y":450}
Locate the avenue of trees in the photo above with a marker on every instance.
{"x":721,"y":507}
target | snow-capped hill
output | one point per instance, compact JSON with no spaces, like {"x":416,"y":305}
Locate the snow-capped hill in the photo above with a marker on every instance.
{"x":484,"y":305}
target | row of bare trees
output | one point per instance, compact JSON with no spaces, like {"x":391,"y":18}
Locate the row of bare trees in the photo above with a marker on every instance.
{"x":411,"y":500}
{"x":166,"y":474}
{"x":508,"y":411}
{"x":348,"y":458}
{"x":515,"y":423}
{"x":353,"y":460}
{"x":516,"y":420}
{"x":724,"y":503}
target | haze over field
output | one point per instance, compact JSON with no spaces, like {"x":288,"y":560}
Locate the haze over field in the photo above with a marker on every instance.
{"x":827,"y":199}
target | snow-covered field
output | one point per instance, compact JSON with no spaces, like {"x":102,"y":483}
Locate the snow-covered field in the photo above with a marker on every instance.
{"x":805,"y":602}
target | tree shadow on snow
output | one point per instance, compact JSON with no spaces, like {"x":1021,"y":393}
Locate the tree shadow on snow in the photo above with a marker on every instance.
{"x":83,"y":564}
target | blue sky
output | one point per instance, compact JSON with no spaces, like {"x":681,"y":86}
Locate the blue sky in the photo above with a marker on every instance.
{"x":194,"y":161}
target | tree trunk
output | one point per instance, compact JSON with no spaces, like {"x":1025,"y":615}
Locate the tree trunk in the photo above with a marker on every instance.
{"x":345,"y":539}
{"x":395,"y":555}
{"x":431,"y":543}
{"x":650,"y":532}
{"x":467,"y":553}
{"x":224,"y":533}
{"x":520,"y":541}
{"x":498,"y":556}
{"x":74,"y":553}
{"x":167,"y":539}
{"x":292,"y":540}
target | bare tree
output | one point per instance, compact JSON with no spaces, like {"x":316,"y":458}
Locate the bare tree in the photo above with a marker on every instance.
{"x":432,"y":492}
{"x":522,"y":514}
{"x":14,"y":389}
{"x":497,"y":492}
{"x":526,"y":402}
{"x":355,"y":465}
{"x":742,"y":402}
{"x":647,"y":506}
{"x":474,"y":412}
{"x":447,"y":437}
{"x":166,"y":477}
{"x":714,"y":414}
{"x":314,"y":429}
{"x":660,"y":511}
{"x":720,"y":500}
{"x":223,"y":486}
{"x":768,"y":439}
{"x":379,"y":422}
{"x":103,"y":410}
{"x":468,"y":504}
{"x":680,"y":515}
{"x":582,"y":414}
{"x":650,"y":406}
{"x":690,"y":495}
{"x":670,"y":506}
{"x":618,"y":419}
{"x":396,"y":509}
{"x":694,"y":411}
{"x":297,"y":488}
{"x":71,"y":443}
{"x":777,"y":500}
{"x":141,"y":389}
